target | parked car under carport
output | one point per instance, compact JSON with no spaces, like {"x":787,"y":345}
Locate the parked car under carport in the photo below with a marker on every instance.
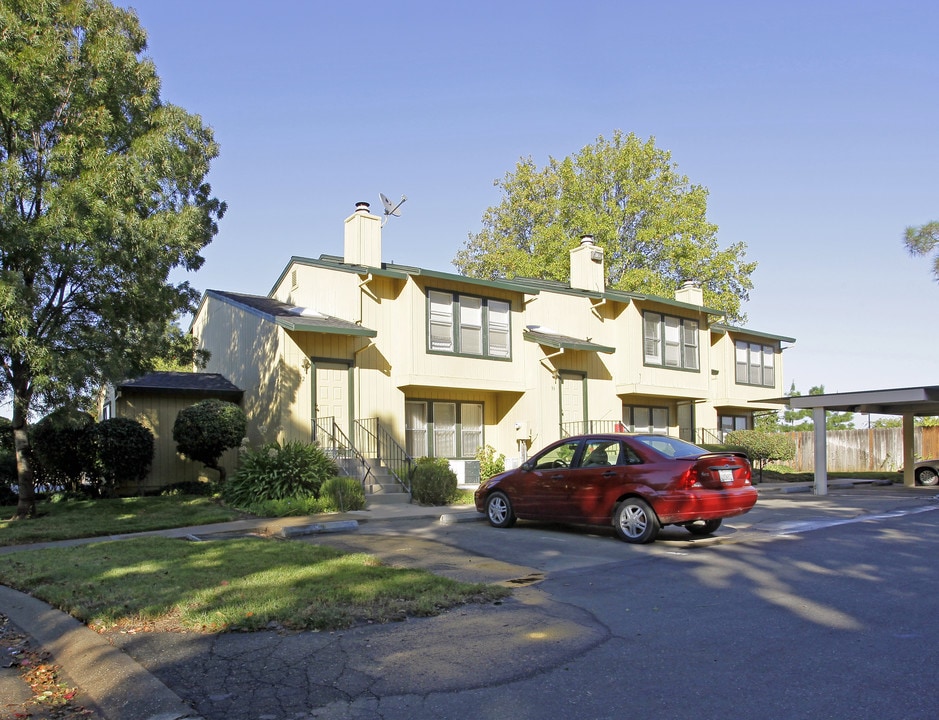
{"x":926,"y":472}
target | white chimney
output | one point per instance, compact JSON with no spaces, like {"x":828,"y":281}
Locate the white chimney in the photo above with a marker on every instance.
{"x":363,"y":237}
{"x":690,"y":293}
{"x":587,"y":271}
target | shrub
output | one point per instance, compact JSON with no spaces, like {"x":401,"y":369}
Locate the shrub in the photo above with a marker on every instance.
{"x":343,"y":493}
{"x":762,"y":447}
{"x":308,"y":505}
{"x":433,"y":482}
{"x":188,"y":487}
{"x":204,"y":431}
{"x":62,"y":449}
{"x":123,"y":452}
{"x":489,"y":464}
{"x":277,"y":472}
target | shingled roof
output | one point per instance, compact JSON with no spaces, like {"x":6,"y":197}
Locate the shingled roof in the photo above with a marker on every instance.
{"x":290,"y":316}
{"x":183,"y":383}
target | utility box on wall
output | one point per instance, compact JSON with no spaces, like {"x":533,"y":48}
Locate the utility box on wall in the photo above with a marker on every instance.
{"x":522,"y":431}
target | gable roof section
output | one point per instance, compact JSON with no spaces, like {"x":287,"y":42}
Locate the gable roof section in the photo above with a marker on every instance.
{"x":545,"y":337}
{"x":721,"y":329}
{"x":291,"y":317}
{"x":183,"y":383}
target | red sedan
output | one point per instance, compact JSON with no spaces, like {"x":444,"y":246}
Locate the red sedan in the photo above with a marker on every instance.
{"x":636,"y":482}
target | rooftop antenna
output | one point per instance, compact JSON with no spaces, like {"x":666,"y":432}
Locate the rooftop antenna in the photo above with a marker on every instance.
{"x":390,"y":207}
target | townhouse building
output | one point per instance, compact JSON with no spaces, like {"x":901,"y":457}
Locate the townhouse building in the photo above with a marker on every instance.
{"x":364,"y":354}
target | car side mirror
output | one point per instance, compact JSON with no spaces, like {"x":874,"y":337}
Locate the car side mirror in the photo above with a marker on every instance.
{"x":528,"y":466}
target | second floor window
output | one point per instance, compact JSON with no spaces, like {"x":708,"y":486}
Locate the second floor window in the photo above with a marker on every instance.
{"x":468,"y":325}
{"x":670,"y":341}
{"x":756,"y":364}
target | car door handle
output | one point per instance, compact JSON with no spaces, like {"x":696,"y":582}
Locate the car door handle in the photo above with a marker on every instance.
{"x":609,"y":474}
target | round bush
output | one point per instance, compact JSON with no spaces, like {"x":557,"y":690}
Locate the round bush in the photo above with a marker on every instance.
{"x":433,"y":482}
{"x":62,"y":448}
{"x":204,"y":431}
{"x":123,"y":452}
{"x":277,"y":472}
{"x":343,"y":493}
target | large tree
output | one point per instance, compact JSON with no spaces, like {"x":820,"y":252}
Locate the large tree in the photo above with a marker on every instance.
{"x":922,"y":239}
{"x":650,"y":220}
{"x":102,"y":194}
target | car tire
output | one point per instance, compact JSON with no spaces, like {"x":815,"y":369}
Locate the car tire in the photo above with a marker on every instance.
{"x":927,"y":476}
{"x":499,"y":510}
{"x":635,"y":522}
{"x":703,"y":527}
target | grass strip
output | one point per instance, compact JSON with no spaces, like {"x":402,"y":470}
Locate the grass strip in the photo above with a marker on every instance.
{"x":236,"y":584}
{"x":96,"y":518}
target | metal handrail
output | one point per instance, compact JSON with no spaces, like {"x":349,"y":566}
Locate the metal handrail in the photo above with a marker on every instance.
{"x":335,"y":443}
{"x":586,"y":427}
{"x":375,"y":441}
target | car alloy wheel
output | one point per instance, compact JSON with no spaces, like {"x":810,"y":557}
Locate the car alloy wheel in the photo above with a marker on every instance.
{"x":499,"y":510}
{"x":927,"y":476}
{"x":635,"y":522}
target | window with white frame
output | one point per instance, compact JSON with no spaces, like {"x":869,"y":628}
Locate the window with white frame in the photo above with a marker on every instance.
{"x":670,"y":341}
{"x":646,"y":419}
{"x":755,"y":363}
{"x":468,"y":325}
{"x":443,"y":429}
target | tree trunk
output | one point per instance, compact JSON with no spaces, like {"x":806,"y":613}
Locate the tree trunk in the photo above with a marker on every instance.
{"x":26,"y":507}
{"x":221,"y":473}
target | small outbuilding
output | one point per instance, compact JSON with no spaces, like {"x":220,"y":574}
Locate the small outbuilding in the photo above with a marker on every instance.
{"x":154,"y":400}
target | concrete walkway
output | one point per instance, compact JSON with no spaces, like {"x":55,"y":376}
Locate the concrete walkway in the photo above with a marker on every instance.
{"x":119,"y":688}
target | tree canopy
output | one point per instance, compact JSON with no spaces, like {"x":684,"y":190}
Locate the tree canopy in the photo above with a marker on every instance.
{"x":649,"y":219}
{"x":802,"y":420}
{"x":102,"y":194}
{"x":923,"y":239}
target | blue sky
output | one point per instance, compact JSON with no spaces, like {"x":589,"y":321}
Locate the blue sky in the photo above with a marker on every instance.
{"x":812,"y":124}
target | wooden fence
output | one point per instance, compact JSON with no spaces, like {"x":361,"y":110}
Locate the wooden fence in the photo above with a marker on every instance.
{"x":874,"y":449}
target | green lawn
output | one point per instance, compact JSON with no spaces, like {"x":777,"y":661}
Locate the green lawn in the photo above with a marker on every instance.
{"x":236,"y":584}
{"x":241,"y":583}
{"x":95,"y":518}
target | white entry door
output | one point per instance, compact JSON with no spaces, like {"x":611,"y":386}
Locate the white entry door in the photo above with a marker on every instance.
{"x":573,"y":408}
{"x":332,"y":393}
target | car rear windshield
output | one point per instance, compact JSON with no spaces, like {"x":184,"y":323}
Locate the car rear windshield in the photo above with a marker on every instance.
{"x":671,"y":447}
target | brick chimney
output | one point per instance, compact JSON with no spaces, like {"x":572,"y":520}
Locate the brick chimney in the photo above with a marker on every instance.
{"x":363,"y":237}
{"x":587,"y":271}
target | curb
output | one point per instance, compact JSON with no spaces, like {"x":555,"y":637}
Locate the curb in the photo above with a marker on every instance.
{"x":118,"y":686}
{"x":318,"y":528}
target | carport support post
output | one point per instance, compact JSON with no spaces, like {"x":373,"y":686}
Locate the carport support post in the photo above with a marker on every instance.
{"x":908,"y":457}
{"x":821,"y":451}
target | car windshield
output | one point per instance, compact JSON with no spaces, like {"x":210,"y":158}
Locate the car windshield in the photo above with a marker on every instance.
{"x":670,"y":447}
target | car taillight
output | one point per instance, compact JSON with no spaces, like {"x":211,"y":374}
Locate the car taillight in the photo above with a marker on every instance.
{"x":690,"y":478}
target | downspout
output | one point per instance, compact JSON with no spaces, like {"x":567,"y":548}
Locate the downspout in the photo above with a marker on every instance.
{"x":595,"y":305}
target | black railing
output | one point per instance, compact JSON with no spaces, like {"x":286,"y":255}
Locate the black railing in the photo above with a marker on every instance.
{"x":375,"y":442}
{"x":585,"y":427}
{"x":336,"y":444}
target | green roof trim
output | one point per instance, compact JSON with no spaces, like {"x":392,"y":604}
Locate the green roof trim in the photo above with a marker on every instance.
{"x":564,"y":342}
{"x":722,"y":329}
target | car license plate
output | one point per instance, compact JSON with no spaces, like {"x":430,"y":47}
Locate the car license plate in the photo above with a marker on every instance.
{"x":727,"y":476}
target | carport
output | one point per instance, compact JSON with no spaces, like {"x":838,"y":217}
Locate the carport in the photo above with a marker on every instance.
{"x":906,"y":402}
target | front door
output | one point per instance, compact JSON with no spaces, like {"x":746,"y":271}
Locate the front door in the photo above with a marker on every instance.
{"x":573,"y":403}
{"x":332,"y":393}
